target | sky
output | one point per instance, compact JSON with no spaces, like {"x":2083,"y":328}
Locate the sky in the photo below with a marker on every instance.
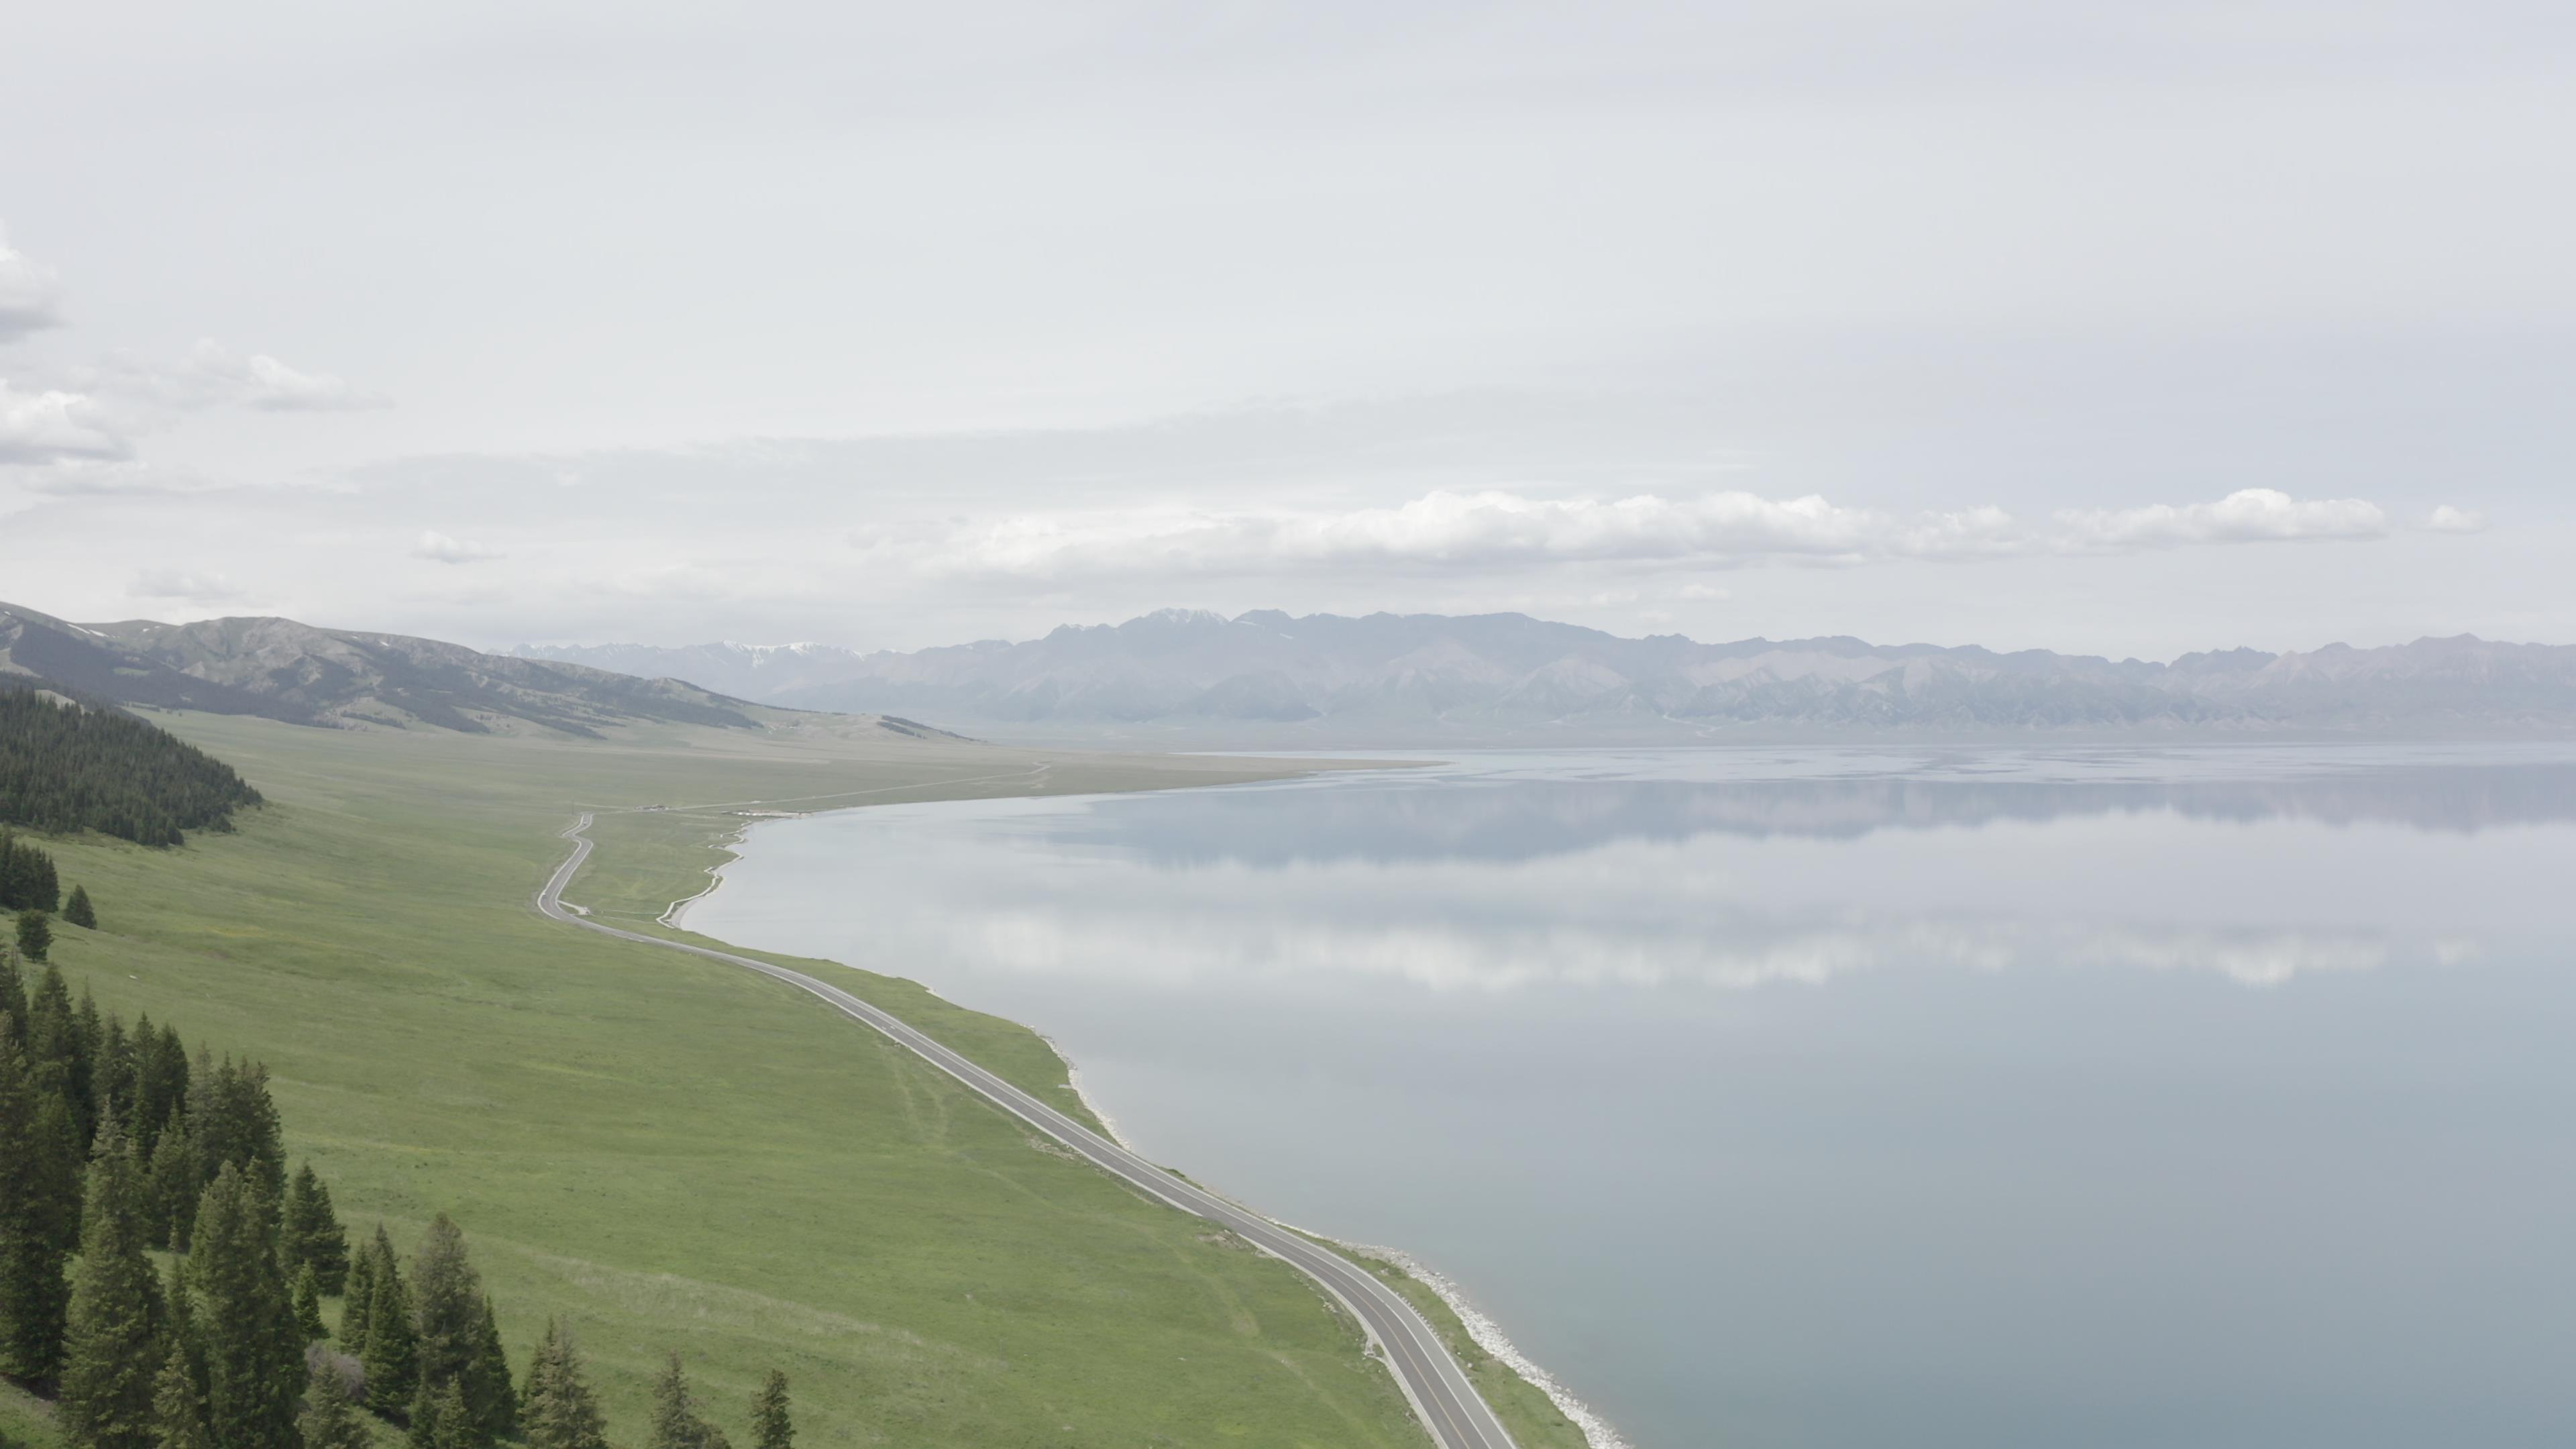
{"x":2127,"y":330}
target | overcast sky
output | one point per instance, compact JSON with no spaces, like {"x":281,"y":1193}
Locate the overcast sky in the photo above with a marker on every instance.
{"x":2127,"y":329}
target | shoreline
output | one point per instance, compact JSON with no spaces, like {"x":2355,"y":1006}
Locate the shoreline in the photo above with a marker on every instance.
{"x":1489,"y":1336}
{"x":1480,"y":1326}
{"x":679,"y":909}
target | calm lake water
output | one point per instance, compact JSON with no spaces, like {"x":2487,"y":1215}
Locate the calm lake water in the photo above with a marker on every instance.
{"x":2173,"y":1097}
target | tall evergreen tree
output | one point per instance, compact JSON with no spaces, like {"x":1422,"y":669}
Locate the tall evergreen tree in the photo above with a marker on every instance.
{"x":53,"y":1037}
{"x":111,"y":1077}
{"x":113,"y":1347}
{"x":35,"y":934}
{"x":175,"y":1186}
{"x":453,"y":1319}
{"x":313,"y":1235}
{"x":441,"y":1420}
{"x":160,"y":1082}
{"x":179,"y":1328}
{"x":178,"y":1409}
{"x":78,"y":911}
{"x":559,"y":1411}
{"x":89,"y":1036}
{"x":392,"y":1350}
{"x":487,"y":1380}
{"x":236,"y":1123}
{"x":676,"y":1422}
{"x":771,"y":1428}
{"x":308,"y":1305}
{"x":330,"y":1420}
{"x":13,"y":998}
{"x":254,"y":1355}
{"x":356,"y":1295}
{"x":39,"y":1192}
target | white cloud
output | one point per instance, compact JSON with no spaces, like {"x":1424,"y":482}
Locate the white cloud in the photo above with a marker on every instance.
{"x":2447,"y":519}
{"x":54,"y":426}
{"x":2249,"y":515}
{"x":1495,"y":529}
{"x":30,"y":294}
{"x":441,"y":548}
{"x":167,"y":583}
{"x":215,"y":373}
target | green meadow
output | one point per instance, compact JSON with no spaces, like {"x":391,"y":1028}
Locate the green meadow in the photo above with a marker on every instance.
{"x":670,"y":1154}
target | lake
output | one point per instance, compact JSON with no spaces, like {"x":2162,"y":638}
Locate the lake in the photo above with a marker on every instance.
{"x":2104,"y":1097}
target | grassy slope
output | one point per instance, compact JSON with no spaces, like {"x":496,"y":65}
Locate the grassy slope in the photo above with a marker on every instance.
{"x":25,"y":1421}
{"x":674,"y":1154}
{"x":647,"y":860}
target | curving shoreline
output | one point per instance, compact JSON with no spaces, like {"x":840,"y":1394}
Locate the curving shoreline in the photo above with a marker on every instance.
{"x":1479,"y":1326}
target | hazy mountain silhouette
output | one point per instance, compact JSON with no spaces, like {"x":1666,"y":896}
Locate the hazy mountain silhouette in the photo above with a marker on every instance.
{"x":1265,"y":677}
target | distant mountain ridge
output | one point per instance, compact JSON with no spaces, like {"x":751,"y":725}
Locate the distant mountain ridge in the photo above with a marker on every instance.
{"x":1267,"y":677}
{"x":280,"y":669}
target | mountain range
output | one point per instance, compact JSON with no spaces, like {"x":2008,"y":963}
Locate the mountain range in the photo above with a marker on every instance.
{"x":1266,"y":678}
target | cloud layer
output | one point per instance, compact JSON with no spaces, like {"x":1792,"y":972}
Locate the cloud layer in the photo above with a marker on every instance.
{"x":1496,"y":529}
{"x":30,"y":294}
{"x":54,"y":426}
{"x":439,"y":548}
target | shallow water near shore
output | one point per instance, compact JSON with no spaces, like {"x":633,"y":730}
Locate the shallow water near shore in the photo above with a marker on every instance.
{"x":2202,"y":1096}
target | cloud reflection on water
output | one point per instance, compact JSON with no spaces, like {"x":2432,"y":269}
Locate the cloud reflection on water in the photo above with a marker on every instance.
{"x":1490,"y":883}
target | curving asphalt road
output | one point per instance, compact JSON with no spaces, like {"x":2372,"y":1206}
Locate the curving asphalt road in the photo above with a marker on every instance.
{"x":1448,"y":1406}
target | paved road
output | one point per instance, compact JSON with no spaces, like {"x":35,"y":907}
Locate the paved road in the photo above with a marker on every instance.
{"x":1442,"y":1398}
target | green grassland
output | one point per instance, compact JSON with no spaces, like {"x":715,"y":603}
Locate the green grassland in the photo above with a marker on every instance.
{"x":668,"y":1153}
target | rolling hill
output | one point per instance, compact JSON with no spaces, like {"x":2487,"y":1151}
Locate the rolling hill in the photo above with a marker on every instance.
{"x":280,"y":669}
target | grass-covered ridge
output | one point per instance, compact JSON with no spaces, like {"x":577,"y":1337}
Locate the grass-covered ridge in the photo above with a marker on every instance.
{"x":668,"y":1153}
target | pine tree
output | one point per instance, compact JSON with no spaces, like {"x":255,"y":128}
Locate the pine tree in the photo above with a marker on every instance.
{"x":13,"y":998}
{"x":89,"y":1036}
{"x":391,"y":1353}
{"x":179,"y":1328}
{"x":770,"y":1426}
{"x":487,"y":1381}
{"x":53,"y":1037}
{"x":356,"y":1293}
{"x":330,"y":1420}
{"x":79,"y":912}
{"x":559,"y":1411}
{"x":676,"y":1424}
{"x":313,"y":1235}
{"x":160,"y":1083}
{"x":178,"y":1410}
{"x":176,"y":1186}
{"x":308,"y":1305}
{"x":111,"y":1079}
{"x":254,"y":1356}
{"x":39,"y":1197}
{"x":454,"y":1319}
{"x":35,"y":934}
{"x":234,"y":1121}
{"x":441,"y":1420}
{"x":112,"y":1349}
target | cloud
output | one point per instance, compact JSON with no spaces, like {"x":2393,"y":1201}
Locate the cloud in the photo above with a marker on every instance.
{"x":2446,"y":519}
{"x":1495,"y":529}
{"x":441,"y":548}
{"x":30,"y":294}
{"x":2249,"y":515}
{"x":180,"y":584}
{"x":56,"y":426}
{"x":215,"y":374}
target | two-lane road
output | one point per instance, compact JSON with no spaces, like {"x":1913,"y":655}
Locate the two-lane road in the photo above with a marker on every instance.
{"x":1442,"y":1398}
